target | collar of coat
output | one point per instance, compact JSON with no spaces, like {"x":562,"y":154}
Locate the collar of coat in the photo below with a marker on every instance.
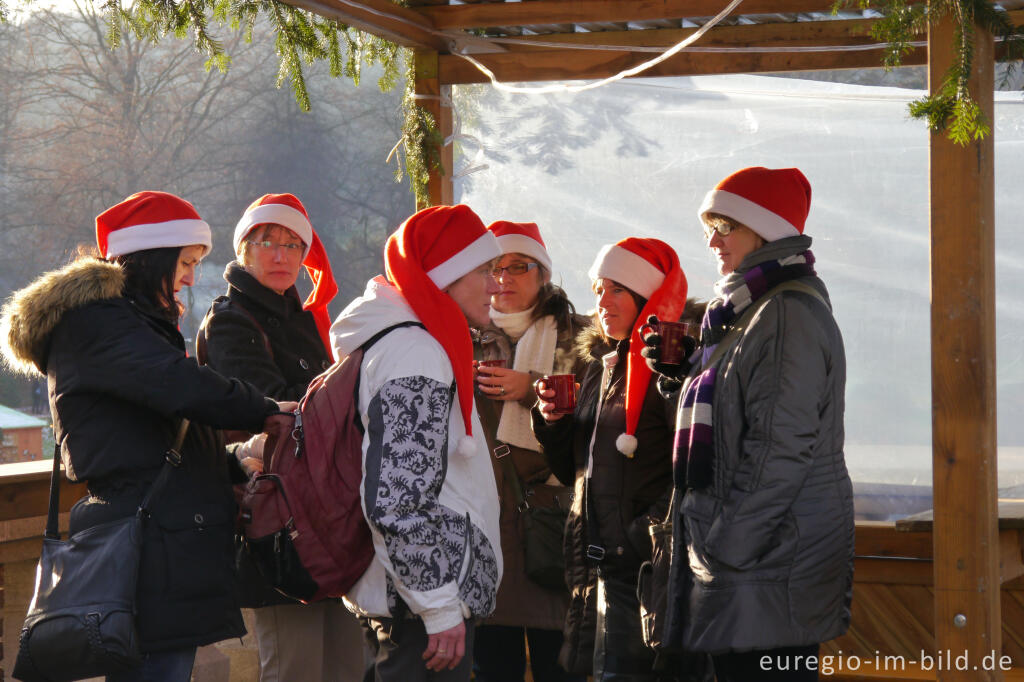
{"x":31,"y":314}
{"x":281,"y":305}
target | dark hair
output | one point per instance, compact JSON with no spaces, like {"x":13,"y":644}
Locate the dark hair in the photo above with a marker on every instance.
{"x":638,"y":300}
{"x":149,"y":274}
{"x":552,"y":300}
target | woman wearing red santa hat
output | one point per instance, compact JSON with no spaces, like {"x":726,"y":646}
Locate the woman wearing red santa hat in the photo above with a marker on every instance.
{"x":532,"y":330}
{"x":763,"y":548}
{"x":262,"y":333}
{"x":617,"y":450}
{"x":104,"y":333}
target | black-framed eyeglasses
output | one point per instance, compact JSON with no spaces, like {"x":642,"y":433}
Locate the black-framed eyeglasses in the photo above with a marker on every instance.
{"x":515,"y":269}
{"x":289,"y":249}
{"x":722,"y":228}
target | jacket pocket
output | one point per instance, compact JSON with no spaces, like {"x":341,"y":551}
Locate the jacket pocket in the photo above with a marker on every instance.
{"x":698,"y":510}
{"x":478,"y":579}
{"x":189,"y":550}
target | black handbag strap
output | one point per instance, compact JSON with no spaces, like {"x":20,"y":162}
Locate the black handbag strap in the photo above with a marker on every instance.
{"x":171,"y":460}
{"x":508,"y":468}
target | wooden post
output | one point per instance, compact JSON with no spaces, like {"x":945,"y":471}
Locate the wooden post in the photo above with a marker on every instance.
{"x":967,"y":611}
{"x":436,"y":99}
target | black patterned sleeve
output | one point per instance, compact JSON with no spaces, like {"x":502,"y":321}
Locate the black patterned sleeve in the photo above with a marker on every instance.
{"x":406,"y":464}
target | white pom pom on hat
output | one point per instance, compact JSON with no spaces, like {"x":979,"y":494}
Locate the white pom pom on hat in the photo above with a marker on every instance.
{"x":466,"y":446}
{"x":626,"y":444}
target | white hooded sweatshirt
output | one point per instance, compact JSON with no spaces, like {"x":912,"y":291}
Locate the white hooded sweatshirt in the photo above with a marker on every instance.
{"x":433,"y":513}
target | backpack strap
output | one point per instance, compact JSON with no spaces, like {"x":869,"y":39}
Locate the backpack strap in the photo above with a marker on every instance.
{"x":365,"y":347}
{"x":384,"y":332}
{"x":201,"y":351}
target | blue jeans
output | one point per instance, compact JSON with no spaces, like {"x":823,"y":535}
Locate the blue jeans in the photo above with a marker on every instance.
{"x":163,"y":666}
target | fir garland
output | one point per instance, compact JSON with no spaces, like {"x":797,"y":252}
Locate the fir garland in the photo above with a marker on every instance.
{"x":950,"y":107}
{"x":303,"y":38}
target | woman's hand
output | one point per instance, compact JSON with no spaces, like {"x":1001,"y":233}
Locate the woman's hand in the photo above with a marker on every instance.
{"x":546,"y":401}
{"x":250,"y":454}
{"x":499,"y":383}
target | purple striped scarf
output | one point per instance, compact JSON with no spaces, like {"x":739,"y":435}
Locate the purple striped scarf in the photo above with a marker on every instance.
{"x":693,"y":452}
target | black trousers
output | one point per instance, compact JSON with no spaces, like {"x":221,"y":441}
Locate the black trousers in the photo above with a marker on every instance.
{"x":620,"y":654}
{"x":787,"y":664}
{"x":499,"y":655}
{"x":398,"y":645}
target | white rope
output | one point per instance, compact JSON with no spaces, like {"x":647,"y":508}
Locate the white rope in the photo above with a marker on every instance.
{"x":639,"y":68}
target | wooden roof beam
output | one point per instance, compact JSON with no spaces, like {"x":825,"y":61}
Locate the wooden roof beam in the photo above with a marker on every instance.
{"x":382,"y":18}
{"x":554,"y":65}
{"x":793,"y":34}
{"x":547,"y":12}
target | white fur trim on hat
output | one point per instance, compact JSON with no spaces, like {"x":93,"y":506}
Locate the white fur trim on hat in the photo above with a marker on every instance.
{"x":628,"y":269}
{"x":626,"y":444}
{"x":766,"y":224}
{"x":184,"y":232}
{"x":279,"y":214}
{"x":481,"y":250}
{"x":520,"y":243}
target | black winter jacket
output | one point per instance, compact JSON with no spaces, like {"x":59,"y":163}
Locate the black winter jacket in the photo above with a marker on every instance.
{"x":625,"y":493}
{"x":119,"y":382}
{"x":236,"y":347}
{"x":280,"y":357}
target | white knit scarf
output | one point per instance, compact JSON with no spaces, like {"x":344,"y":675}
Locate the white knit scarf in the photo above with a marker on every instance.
{"x":535,"y":351}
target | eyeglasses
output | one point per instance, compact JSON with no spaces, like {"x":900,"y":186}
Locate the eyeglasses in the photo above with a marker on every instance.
{"x":722,"y":228}
{"x":291,"y":250}
{"x":515,"y":269}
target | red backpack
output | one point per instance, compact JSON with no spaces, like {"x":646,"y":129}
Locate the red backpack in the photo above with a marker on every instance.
{"x":303,"y":516}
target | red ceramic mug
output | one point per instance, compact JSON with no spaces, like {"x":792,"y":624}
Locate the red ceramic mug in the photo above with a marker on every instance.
{"x":564,"y":386}
{"x":672,"y":335}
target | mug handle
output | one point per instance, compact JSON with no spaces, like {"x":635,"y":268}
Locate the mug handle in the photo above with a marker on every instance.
{"x":537,"y":387}
{"x":647,"y":325}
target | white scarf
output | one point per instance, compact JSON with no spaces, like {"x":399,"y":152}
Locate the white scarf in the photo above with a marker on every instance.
{"x":535,"y":351}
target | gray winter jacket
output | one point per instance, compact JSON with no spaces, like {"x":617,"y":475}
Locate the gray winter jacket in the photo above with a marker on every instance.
{"x":770,"y":541}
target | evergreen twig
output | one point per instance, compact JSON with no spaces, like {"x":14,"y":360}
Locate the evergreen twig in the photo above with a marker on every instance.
{"x":950,"y":108}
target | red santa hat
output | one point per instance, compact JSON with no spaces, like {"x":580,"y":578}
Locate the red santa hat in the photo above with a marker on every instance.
{"x":432,"y":249}
{"x":649,"y":267}
{"x":150,"y":220}
{"x":287,"y":211}
{"x":521,"y":238}
{"x":773,"y":202}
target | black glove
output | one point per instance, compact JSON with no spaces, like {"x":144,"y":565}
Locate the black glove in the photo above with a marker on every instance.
{"x":652,"y":353}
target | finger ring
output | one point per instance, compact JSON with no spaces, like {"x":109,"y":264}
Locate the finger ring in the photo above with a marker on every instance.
{"x":502,"y":390}
{"x":441,"y":651}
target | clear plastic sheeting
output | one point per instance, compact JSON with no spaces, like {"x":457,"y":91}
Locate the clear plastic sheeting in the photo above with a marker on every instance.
{"x":636,"y":158}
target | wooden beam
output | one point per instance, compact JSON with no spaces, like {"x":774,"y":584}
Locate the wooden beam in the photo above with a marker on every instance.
{"x":962,"y":217}
{"x":382,"y":18}
{"x":547,"y":12}
{"x":550,"y":65}
{"x":436,"y":99}
{"x":804,"y":33}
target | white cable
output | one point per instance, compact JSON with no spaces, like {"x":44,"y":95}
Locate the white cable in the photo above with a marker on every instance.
{"x":639,"y":68}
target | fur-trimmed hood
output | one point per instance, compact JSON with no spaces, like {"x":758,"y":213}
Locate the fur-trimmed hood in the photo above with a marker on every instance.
{"x":591,"y":343}
{"x":31,"y":314}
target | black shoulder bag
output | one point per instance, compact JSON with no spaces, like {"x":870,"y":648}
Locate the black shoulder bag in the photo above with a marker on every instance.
{"x":81,"y":621}
{"x":543,"y":531}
